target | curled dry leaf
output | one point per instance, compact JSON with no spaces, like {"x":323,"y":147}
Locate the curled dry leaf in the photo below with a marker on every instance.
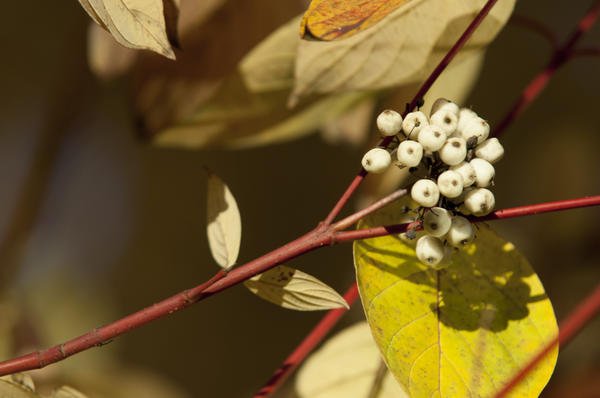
{"x":400,"y":49}
{"x":12,"y":389}
{"x":462,"y":330}
{"x":295,"y":290}
{"x":346,"y":366}
{"x":224,"y":227}
{"x":135,"y":23}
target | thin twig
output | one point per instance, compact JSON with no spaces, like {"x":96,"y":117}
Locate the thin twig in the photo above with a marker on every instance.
{"x":569,"y":328}
{"x":306,"y":243}
{"x":586,"y":52}
{"x":354,"y":218}
{"x":308,"y":344}
{"x":559,"y":57}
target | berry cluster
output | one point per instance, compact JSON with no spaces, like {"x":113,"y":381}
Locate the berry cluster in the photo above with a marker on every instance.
{"x":452,"y":150}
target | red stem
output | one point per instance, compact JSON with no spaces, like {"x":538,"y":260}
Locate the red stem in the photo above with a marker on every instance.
{"x":560,"y":56}
{"x":308,"y":344}
{"x":223,"y":280}
{"x":433,"y":76}
{"x":569,"y":328}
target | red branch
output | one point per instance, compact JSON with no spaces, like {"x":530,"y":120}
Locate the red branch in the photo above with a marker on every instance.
{"x":222,"y":280}
{"x":560,"y":56}
{"x":569,"y":328}
{"x":308,"y":344}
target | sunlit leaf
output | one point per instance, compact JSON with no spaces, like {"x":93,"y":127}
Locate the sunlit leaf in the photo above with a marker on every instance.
{"x":224,"y":226}
{"x":402,"y":48}
{"x":460,"y":331}
{"x":346,"y":366}
{"x":134,"y":23}
{"x":293,"y":289}
{"x":334,"y":20}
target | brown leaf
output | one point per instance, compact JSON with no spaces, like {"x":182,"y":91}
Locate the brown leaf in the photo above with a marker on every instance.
{"x":334,"y":20}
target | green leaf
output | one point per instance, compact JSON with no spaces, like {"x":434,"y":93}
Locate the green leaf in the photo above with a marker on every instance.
{"x":295,"y":290}
{"x":460,"y":331}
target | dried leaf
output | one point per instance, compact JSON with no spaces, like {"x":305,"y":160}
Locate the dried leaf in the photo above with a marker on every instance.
{"x":401,"y":49}
{"x":293,"y":289}
{"x":462,"y":330}
{"x":334,"y":20}
{"x":10,"y":389}
{"x":345,"y":366}
{"x":22,"y":380}
{"x":67,"y":392}
{"x":133,"y":23}
{"x":224,"y":227}
{"x":106,"y":58}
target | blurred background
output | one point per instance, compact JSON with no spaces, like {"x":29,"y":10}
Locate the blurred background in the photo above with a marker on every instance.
{"x":96,"y":222}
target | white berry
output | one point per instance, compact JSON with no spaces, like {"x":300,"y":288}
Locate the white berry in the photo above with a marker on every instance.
{"x":410,"y":153}
{"x":450,"y":184}
{"x":430,"y":250}
{"x":460,"y":232}
{"x":425,"y":193}
{"x":476,"y":128}
{"x":432,"y":138}
{"x":376,"y":160}
{"x":389,"y":122}
{"x":465,"y":115}
{"x":454,"y":151}
{"x":436,"y":221}
{"x":444,"y":104}
{"x":490,"y":150}
{"x":446,"y":120}
{"x":484,"y":172}
{"x":480,"y":201}
{"x":413,"y":123}
{"x":466,"y":171}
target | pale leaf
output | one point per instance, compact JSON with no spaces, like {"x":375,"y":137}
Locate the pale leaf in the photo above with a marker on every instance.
{"x":295,"y":290}
{"x":346,"y":366}
{"x":133,"y":23}
{"x":106,"y":58}
{"x":67,"y":392}
{"x":400,"y":49}
{"x":270,"y":65}
{"x":10,"y":389}
{"x":224,"y":227}
{"x":22,"y":380}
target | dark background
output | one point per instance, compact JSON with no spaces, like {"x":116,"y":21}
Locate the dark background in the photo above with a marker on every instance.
{"x":120,"y":224}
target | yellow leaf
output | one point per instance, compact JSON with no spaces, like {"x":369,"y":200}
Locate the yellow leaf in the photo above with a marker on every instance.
{"x":134,"y":23}
{"x":224,"y":227}
{"x":346,"y":366}
{"x":295,"y":290}
{"x":402,"y":48}
{"x":460,"y":331}
{"x":334,"y":19}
